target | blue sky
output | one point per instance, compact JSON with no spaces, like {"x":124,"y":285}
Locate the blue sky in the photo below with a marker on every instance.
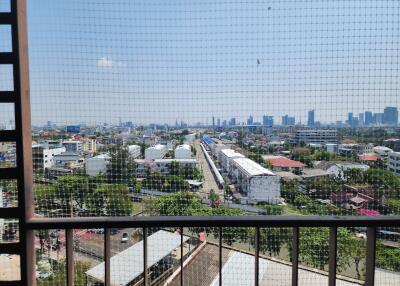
{"x":157,"y":61}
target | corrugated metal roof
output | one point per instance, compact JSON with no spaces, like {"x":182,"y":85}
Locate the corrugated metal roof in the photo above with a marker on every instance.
{"x":252,"y":168}
{"x":128,"y":264}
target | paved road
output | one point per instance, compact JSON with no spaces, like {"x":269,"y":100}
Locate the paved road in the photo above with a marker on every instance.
{"x":209,"y":180}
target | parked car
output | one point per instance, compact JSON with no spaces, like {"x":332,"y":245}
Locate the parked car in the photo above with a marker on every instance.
{"x":114,"y":231}
{"x":124,"y":238}
{"x":42,"y":274}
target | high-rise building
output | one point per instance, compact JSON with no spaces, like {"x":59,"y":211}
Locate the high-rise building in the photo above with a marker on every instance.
{"x":311,"y":118}
{"x":350,"y":119}
{"x":361,"y":119}
{"x":213,"y":121}
{"x":268,"y":120}
{"x":250,"y":120}
{"x":378,"y":118}
{"x":390,"y":116}
{"x":232,"y":122}
{"x":218,"y":122}
{"x":288,"y":120}
{"x":317,"y":136}
{"x":368,"y":118}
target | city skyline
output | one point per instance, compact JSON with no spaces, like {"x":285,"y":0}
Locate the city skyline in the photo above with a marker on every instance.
{"x":364,"y":119}
{"x":170,"y":66}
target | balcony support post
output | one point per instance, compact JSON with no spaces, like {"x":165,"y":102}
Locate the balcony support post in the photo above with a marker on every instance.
{"x":257,"y":257}
{"x":145,"y":276}
{"x":370,"y":257}
{"x":107,"y":256}
{"x":295,"y":256}
{"x":181,"y":229}
{"x":332,"y":256}
{"x":220,"y":256}
{"x":70,"y":256}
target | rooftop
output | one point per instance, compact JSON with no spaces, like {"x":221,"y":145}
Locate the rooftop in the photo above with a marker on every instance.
{"x":128,"y":264}
{"x":252,"y":168}
{"x":283,"y":162}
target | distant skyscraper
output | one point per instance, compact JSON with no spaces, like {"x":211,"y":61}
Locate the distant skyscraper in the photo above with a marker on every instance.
{"x":288,"y":121}
{"x":268,"y":120}
{"x":218,"y":122}
{"x":361,"y":119}
{"x":368,"y":118}
{"x":311,"y":118}
{"x":350,"y":119}
{"x":378,"y":118}
{"x":213,"y":121}
{"x":232,"y":122}
{"x":250,"y":120}
{"x":390,"y":116}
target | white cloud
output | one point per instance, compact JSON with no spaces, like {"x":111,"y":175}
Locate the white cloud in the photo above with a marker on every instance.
{"x":105,"y":62}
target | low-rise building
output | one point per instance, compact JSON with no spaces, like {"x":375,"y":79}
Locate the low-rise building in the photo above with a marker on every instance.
{"x":394,"y":162}
{"x":68,"y":160}
{"x":281,"y":163}
{"x":43,"y":156}
{"x":225,"y":158}
{"x":183,"y":152}
{"x":336,"y":168}
{"x":155,"y":152}
{"x":382,"y":151}
{"x":316,"y":136}
{"x":134,"y":151}
{"x":257,"y":183}
{"x":97,"y":165}
{"x":73,"y":146}
{"x":162,"y":166}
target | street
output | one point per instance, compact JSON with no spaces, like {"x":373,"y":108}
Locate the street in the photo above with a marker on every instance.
{"x":209,"y":179}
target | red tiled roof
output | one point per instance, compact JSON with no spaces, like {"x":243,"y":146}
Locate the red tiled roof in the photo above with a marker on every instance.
{"x":368,"y":157}
{"x":284,"y":162}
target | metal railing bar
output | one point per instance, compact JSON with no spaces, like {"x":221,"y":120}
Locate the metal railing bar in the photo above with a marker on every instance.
{"x":213,"y":221}
{"x":107,"y":256}
{"x":6,"y":18}
{"x":10,"y":248}
{"x":295,"y":256}
{"x":370,"y":257}
{"x":7,"y":97}
{"x":70,"y":256}
{"x":7,"y":58}
{"x":11,"y":283}
{"x":332,"y":256}
{"x":257,"y":257}
{"x":8,"y":173}
{"x":9,"y":212}
{"x":7,"y":135}
{"x":181,"y":229}
{"x":145,"y":277}
{"x":220,"y":256}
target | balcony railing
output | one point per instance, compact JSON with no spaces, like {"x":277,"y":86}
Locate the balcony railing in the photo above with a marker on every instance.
{"x":257,"y":222}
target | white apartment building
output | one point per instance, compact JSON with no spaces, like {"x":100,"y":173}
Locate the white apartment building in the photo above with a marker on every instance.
{"x":394,"y":162}
{"x":134,"y":151}
{"x":316,"y":136}
{"x":73,"y":146}
{"x":90,"y":146}
{"x":97,"y":165}
{"x":43,"y":156}
{"x":225,"y":158}
{"x":382,"y":151}
{"x":68,"y":160}
{"x":162,"y":165}
{"x":257,"y":183}
{"x":155,"y":152}
{"x":183,"y":152}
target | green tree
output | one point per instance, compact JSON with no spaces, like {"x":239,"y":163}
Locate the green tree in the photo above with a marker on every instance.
{"x":121,"y":167}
